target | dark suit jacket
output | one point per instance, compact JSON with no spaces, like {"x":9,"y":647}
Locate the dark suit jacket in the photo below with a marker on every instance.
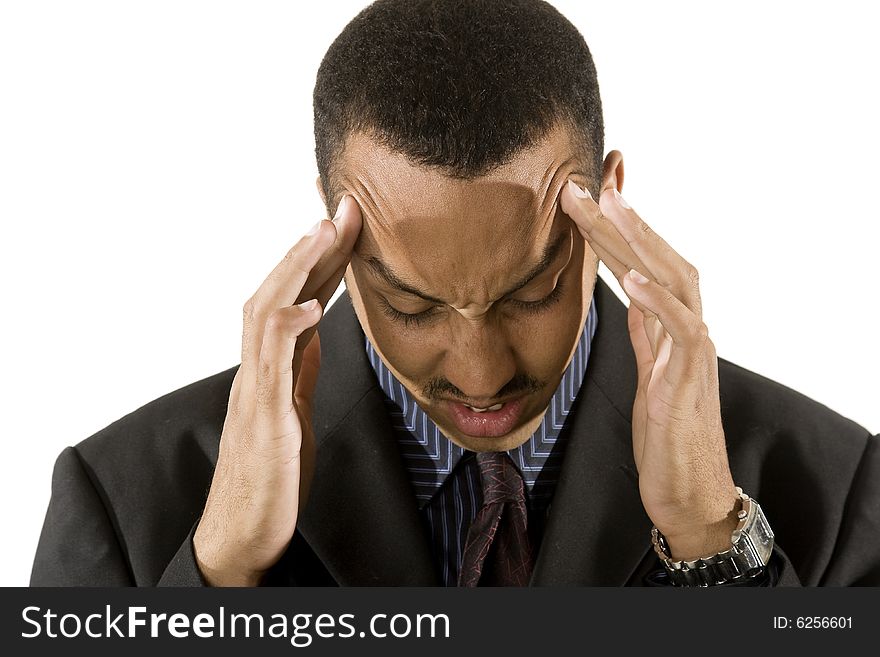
{"x":126,"y":500}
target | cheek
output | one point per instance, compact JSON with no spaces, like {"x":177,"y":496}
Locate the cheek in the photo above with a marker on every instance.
{"x":548,"y":340}
{"x":414,"y":360}
{"x":544,"y":342}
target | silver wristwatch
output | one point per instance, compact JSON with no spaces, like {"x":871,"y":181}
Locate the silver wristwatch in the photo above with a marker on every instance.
{"x":752,"y":544}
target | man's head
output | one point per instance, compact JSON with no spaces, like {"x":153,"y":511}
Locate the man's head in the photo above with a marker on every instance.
{"x":454,"y":126}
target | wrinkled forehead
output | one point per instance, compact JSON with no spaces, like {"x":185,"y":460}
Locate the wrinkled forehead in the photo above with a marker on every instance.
{"x":450,"y":231}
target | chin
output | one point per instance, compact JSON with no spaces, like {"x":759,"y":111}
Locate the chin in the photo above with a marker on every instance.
{"x":494,"y":444}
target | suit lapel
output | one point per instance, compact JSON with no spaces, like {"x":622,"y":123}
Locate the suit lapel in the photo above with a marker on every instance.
{"x":598,"y":532}
{"x":362,"y":518}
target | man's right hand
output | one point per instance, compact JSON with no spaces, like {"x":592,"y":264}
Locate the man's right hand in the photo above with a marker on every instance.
{"x":267,"y":449}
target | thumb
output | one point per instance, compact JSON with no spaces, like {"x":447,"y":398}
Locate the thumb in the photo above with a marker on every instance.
{"x":641,"y":344}
{"x":304,"y":387}
{"x":645,"y":362}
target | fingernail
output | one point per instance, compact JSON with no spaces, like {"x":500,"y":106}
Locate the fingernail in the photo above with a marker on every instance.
{"x":636,"y":277}
{"x":578,"y":191}
{"x":340,"y":208}
{"x":620,"y":200}
{"x":311,"y":304}
{"x":314,"y":229}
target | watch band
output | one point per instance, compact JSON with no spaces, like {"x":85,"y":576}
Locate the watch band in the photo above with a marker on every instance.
{"x":751,"y":546}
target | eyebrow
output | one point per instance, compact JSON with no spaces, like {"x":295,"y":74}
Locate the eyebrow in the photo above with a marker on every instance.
{"x":551,"y":251}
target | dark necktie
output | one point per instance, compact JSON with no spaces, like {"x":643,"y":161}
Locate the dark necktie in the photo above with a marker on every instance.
{"x":497,"y":551}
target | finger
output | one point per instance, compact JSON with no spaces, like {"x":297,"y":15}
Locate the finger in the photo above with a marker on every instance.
{"x":601,"y":234}
{"x":274,"y":378}
{"x":304,"y":388}
{"x":282,"y":287}
{"x":323,"y":281}
{"x":618,"y":269}
{"x":688,"y":332}
{"x":333,"y":255}
{"x":655,"y":332}
{"x":615,"y":266}
{"x":601,"y":225}
{"x":235,"y":388}
{"x":233,"y":405}
{"x":286,"y":281}
{"x":330,"y":286}
{"x":641,"y":344}
{"x":669,"y":269}
{"x":653,"y":327}
{"x":645,"y":363}
{"x":323,"y":296}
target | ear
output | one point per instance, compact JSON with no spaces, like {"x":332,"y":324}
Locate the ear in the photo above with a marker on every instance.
{"x":612,"y":172}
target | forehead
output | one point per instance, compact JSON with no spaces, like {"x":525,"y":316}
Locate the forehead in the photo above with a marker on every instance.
{"x":467,"y":237}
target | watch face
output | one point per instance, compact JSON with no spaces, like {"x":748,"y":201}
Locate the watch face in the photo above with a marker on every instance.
{"x":762,"y":536}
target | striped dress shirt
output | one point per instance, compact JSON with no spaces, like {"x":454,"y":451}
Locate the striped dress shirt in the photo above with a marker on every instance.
{"x":445,"y":477}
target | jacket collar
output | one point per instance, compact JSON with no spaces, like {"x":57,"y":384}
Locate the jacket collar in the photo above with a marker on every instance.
{"x":362,"y":518}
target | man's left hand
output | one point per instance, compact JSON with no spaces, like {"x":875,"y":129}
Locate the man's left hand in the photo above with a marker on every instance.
{"x":678,"y":439}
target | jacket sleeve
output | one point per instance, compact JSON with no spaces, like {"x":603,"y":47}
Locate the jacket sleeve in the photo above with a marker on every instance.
{"x":855,"y":560}
{"x":81,"y":545}
{"x":183,"y":569}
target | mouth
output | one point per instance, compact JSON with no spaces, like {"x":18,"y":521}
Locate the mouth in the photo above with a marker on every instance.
{"x":486,"y":422}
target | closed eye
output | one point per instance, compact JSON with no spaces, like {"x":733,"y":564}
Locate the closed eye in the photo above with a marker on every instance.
{"x":414,"y":320}
{"x":541,"y":304}
{"x":407,"y":319}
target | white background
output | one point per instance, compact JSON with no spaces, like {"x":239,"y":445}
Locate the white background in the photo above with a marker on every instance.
{"x":156,"y":161}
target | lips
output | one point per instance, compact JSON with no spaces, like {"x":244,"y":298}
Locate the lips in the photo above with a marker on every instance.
{"x":494,"y":407}
{"x":491,"y":422}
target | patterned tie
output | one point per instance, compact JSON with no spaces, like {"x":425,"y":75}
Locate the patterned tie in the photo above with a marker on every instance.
{"x":497,"y":551}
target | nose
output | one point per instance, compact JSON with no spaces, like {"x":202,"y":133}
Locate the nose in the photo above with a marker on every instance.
{"x":480,"y":359}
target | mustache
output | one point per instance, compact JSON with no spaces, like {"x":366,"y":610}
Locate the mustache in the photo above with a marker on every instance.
{"x":442,"y":388}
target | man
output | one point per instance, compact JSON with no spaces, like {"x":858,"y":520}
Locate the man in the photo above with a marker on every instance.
{"x":478,"y":408}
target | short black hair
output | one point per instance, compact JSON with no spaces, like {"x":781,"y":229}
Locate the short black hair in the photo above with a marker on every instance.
{"x":459,"y":85}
